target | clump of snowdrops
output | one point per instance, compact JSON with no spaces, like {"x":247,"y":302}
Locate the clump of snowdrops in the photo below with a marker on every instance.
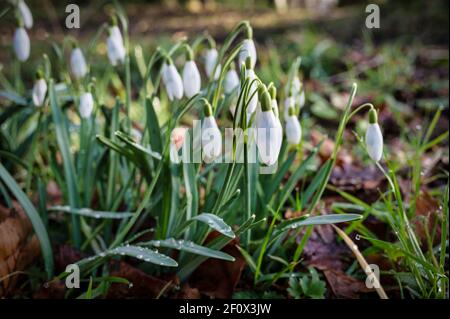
{"x":118,"y":175}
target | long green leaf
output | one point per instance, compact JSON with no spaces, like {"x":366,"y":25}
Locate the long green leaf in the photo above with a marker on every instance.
{"x":91,"y":213}
{"x":34,"y":217}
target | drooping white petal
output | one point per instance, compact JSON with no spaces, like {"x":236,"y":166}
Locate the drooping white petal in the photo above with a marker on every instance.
{"x":116,"y":33}
{"x":293,"y":130}
{"x":191,"y":79}
{"x":115,"y":49}
{"x":86,"y":105}
{"x":211,"y":139}
{"x":25,"y":13}
{"x":296,"y":85}
{"x":172,"y":81}
{"x":248,"y":49}
{"x":39,"y":91}
{"x":231,"y":81}
{"x":250,"y":73}
{"x":301,"y":99}
{"x":211,"y":57}
{"x":21,"y":44}
{"x":269,"y":137}
{"x":78,"y":64}
{"x":374,"y":141}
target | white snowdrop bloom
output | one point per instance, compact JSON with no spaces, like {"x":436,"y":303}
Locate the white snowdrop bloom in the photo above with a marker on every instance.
{"x":231,"y":81}
{"x":269,"y":138}
{"x":296,"y":85}
{"x":288,"y":103}
{"x":115,"y":47}
{"x":211,"y":57}
{"x":293,"y":128}
{"x":78,"y":64}
{"x":300,"y":99}
{"x":248,"y":49}
{"x":191,"y":79}
{"x":211,"y":137}
{"x":274,"y":104}
{"x":172,"y":81}
{"x":374,"y":137}
{"x":21,"y":43}
{"x":25,"y":14}
{"x":116,"y":33}
{"x":86,"y":104}
{"x":39,"y":91}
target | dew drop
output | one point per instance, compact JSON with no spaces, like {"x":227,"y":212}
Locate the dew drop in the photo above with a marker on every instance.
{"x":357,"y":237}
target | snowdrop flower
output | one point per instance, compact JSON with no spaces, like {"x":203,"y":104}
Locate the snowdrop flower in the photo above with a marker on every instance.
{"x":78,"y":64}
{"x":269,"y":136}
{"x":21,"y":44}
{"x":231,"y":81}
{"x":211,"y":137}
{"x":298,"y":91}
{"x":25,"y":14}
{"x":172,"y":81}
{"x":39,"y":90}
{"x":191,"y":76}
{"x":250,"y":74}
{"x":374,"y":138}
{"x":273,"y":95}
{"x":211,"y":57}
{"x":288,"y":103}
{"x":293,"y":128}
{"x":115,"y":47}
{"x":248,"y":49}
{"x":86,"y":105}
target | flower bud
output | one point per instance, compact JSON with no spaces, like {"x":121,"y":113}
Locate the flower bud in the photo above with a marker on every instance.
{"x":21,"y":43}
{"x":250,"y":74}
{"x":172,"y":81}
{"x":39,"y":91}
{"x":210,"y":62}
{"x":115,"y":47}
{"x":248,"y":50}
{"x":78,"y":64}
{"x":191,"y":79}
{"x":374,"y":137}
{"x":293,"y":128}
{"x":231,"y":81}
{"x":25,"y":14}
{"x":211,"y":136}
{"x":86,"y":105}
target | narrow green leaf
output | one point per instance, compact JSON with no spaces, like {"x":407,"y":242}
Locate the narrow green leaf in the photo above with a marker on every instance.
{"x":319,"y":220}
{"x":215,"y":223}
{"x":87,"y":212}
{"x":34,"y":217}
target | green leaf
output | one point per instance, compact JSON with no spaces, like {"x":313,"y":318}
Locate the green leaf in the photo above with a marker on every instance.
{"x":143,"y":254}
{"x":318,"y":220}
{"x":191,"y":247}
{"x":136,"y":146}
{"x":215,"y":222}
{"x":34,"y":217}
{"x":13,"y":97}
{"x":62,"y":136}
{"x":91,"y":213}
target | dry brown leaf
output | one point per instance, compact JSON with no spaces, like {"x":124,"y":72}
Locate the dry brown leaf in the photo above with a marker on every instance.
{"x":17,"y":249}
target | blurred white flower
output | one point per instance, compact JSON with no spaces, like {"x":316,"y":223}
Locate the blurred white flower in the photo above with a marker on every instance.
{"x":288,"y":103}
{"x":172,"y":81}
{"x":191,"y":79}
{"x":25,"y":14}
{"x":231,"y":81}
{"x":115,"y":47}
{"x":211,"y":57}
{"x":250,"y":74}
{"x":86,"y":105}
{"x":78,"y":64}
{"x":293,"y":128}
{"x":21,"y":43}
{"x":374,"y":137}
{"x":39,"y":91}
{"x":248,"y":50}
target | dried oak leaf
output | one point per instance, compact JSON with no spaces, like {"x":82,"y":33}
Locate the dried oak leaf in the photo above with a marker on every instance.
{"x":218,"y":278}
{"x":18,"y":247}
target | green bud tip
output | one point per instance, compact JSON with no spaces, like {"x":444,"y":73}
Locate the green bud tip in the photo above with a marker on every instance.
{"x":248,"y":31}
{"x":265,"y":100}
{"x":248,"y":63}
{"x":291,"y":111}
{"x":39,"y":74}
{"x":273,"y":91}
{"x":208,"y":109}
{"x":373,"y":116}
